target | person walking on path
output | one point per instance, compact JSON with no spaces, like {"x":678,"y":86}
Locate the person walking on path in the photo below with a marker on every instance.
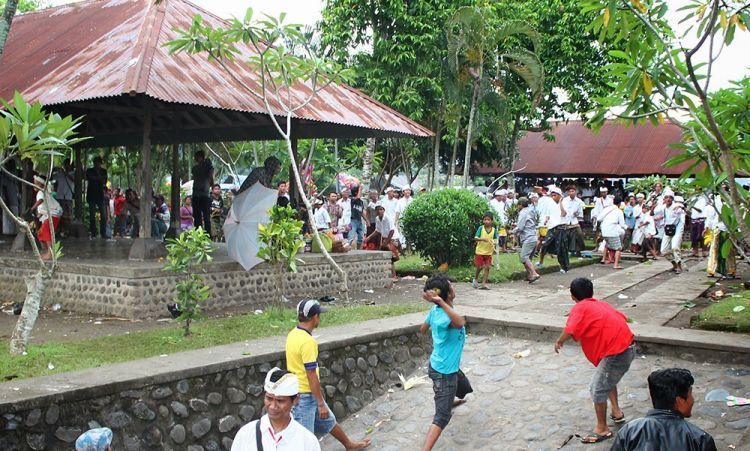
{"x":96,"y":182}
{"x":485,"y":238}
{"x":664,"y":428}
{"x":203,"y":180}
{"x":556,"y":240}
{"x":277,"y":430}
{"x":448,"y":336}
{"x":613,"y":226}
{"x":527,"y":236}
{"x":607,"y":342}
{"x":311,"y":410}
{"x":674,"y":225}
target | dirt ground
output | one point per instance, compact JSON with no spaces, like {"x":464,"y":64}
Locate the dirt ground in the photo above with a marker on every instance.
{"x":58,"y":325}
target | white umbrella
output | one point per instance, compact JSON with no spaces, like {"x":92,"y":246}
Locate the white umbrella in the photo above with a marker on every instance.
{"x":241,"y":227}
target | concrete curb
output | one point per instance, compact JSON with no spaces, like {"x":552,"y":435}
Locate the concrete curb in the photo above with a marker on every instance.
{"x":716,"y":346}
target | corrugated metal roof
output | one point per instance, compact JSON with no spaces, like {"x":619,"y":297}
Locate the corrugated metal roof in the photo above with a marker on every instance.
{"x":107,"y":48}
{"x":617,"y":149}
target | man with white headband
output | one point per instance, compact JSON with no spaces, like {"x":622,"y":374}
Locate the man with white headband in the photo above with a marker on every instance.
{"x":277,"y":430}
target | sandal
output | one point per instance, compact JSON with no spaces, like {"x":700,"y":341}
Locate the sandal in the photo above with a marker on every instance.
{"x":593,"y":437}
{"x":534,"y":279}
{"x":618,"y":267}
{"x":619,"y":420}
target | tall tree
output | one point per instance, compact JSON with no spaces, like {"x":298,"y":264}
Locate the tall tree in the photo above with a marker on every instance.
{"x":488,"y":51}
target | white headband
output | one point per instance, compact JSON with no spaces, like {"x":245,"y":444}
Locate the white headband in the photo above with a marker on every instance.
{"x":288,"y":385}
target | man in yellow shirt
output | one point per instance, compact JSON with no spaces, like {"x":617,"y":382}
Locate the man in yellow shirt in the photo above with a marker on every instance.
{"x":311,"y":410}
{"x":486,"y":237}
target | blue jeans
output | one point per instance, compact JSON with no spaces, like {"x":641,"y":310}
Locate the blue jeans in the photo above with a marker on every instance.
{"x":306,"y":414}
{"x":358,"y":231}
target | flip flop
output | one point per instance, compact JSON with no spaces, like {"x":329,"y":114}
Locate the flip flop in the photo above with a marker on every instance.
{"x":593,"y":437}
{"x":618,"y":420}
{"x":733,"y":401}
{"x":534,"y":279}
{"x":618,"y":267}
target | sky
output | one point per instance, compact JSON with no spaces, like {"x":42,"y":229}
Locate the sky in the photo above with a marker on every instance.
{"x":732,"y":65}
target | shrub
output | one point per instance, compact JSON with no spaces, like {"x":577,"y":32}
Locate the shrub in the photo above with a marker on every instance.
{"x":441,"y":225}
{"x":186,"y":255}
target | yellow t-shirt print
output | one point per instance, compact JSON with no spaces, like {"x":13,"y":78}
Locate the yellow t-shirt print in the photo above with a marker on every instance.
{"x":486,"y":247}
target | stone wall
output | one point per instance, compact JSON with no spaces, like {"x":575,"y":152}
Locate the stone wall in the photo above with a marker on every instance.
{"x":142,"y":290}
{"x":201,"y":408}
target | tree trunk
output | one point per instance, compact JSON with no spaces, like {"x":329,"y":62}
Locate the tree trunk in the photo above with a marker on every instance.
{"x":435,"y":170}
{"x":35,"y":286}
{"x":255,"y":156}
{"x":316,"y":235}
{"x":6,"y":21}
{"x":467,"y":155}
{"x":367,"y":162}
{"x":454,"y":155}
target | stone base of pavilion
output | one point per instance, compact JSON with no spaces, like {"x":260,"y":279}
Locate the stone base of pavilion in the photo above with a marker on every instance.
{"x":95,"y":276}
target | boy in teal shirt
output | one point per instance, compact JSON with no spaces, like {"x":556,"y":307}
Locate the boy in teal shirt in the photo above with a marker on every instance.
{"x":448,"y":336}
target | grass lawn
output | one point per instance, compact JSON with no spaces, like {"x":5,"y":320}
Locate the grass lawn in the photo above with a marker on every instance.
{"x":95,"y":352}
{"x":510,"y":268}
{"x":721,"y":315}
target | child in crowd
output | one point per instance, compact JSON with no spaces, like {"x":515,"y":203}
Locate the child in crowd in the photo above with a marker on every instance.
{"x":217,"y":213}
{"x":607,"y":342}
{"x":486,"y":237}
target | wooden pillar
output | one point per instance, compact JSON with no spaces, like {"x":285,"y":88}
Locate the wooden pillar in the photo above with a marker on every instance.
{"x":146,"y":248}
{"x":146,"y":176}
{"x":78,"y":186}
{"x":174,"y":226}
{"x":293,"y":194}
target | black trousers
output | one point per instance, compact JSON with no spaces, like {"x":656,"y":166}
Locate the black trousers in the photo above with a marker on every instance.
{"x":202,"y":212}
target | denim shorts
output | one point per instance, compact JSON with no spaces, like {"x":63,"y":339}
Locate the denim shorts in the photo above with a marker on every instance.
{"x":609,"y":372}
{"x":358,"y":230}
{"x":444,"y":386}
{"x":306,"y":414}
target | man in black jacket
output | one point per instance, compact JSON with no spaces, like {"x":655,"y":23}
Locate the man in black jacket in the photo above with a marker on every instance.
{"x":664,"y":427}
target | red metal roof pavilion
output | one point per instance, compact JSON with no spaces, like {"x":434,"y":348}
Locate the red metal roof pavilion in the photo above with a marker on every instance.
{"x":616,"y":150}
{"x":106,"y":60}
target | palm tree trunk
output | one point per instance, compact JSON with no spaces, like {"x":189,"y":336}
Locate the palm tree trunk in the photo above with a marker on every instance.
{"x":449,"y":181}
{"x":435,"y":170}
{"x":6,"y":21}
{"x":367,"y":162}
{"x":467,"y":155}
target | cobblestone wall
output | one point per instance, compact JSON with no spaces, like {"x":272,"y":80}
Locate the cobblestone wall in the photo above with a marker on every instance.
{"x":140,"y":293}
{"x":204,"y":412}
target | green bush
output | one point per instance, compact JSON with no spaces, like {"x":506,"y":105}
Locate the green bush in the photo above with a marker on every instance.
{"x":441,"y":225}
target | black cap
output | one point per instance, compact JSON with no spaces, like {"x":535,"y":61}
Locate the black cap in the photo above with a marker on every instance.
{"x":309,"y":308}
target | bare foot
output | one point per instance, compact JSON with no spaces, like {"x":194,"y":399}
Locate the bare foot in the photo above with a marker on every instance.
{"x":46,"y":257}
{"x":359,"y":445}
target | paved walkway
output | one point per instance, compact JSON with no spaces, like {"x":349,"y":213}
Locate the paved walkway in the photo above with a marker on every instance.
{"x":538,"y":401}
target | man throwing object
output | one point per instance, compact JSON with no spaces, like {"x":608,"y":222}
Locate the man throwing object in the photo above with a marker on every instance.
{"x":607,"y":342}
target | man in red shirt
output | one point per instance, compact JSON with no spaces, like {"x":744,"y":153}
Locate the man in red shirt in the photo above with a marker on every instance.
{"x":607,"y":342}
{"x":120,"y":213}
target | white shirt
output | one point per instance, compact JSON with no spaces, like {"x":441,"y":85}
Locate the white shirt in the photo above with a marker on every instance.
{"x":699,"y":203}
{"x":713,"y":220}
{"x":674,"y":215}
{"x":294,"y":438}
{"x":600,"y":204}
{"x":403,"y":203}
{"x":346,"y":215}
{"x":322,"y":218}
{"x":646,"y":225}
{"x":612,"y":221}
{"x":384,"y":226}
{"x":49,"y":205}
{"x":499,"y":207}
{"x":549,"y":212}
{"x":391,"y":207}
{"x":573,"y":210}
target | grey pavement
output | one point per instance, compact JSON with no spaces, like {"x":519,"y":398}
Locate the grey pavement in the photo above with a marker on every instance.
{"x":538,"y":401}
